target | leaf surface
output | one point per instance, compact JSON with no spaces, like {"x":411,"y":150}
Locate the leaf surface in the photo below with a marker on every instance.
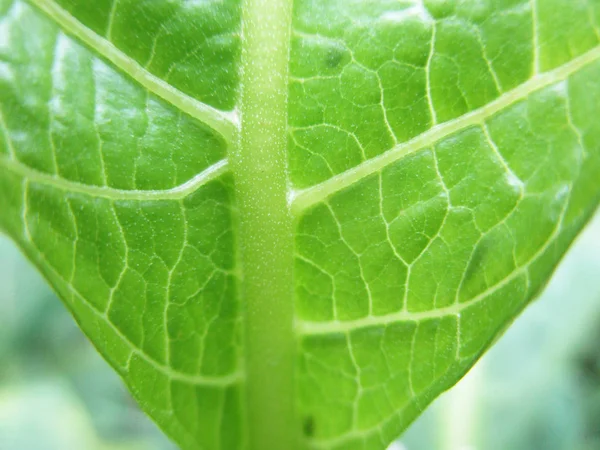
{"x":295,"y":224}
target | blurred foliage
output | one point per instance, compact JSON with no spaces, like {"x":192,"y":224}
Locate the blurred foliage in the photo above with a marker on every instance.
{"x":56,"y":392}
{"x":538,"y":388}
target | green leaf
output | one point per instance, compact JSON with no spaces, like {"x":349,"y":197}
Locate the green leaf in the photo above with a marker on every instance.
{"x":294,"y":225}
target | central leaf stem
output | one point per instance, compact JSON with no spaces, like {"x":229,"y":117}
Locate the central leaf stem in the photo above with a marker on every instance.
{"x":266,"y":234}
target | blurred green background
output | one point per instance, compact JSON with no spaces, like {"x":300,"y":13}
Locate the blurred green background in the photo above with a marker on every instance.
{"x":538,"y":388}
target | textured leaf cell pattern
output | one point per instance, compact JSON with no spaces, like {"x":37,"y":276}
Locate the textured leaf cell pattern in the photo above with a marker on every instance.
{"x":441,"y":157}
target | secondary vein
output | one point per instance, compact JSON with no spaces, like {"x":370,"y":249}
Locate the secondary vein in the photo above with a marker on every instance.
{"x":225,"y":123}
{"x":303,"y":199}
{"x":175,"y":193}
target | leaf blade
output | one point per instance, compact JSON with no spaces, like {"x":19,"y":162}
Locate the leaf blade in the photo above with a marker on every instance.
{"x":436,"y":177}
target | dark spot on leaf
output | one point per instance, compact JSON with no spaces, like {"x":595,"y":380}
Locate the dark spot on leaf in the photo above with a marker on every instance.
{"x":308,"y":427}
{"x":476,"y":264}
{"x":334,"y":58}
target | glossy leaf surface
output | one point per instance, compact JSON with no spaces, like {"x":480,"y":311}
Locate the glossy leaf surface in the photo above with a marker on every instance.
{"x":294,"y":224}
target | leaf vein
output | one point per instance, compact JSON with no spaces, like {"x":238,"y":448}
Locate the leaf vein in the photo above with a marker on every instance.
{"x":305,"y":327}
{"x":224,"y":122}
{"x":301,"y":200}
{"x":178,"y":192}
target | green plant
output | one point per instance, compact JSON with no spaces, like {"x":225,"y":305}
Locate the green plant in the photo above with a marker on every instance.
{"x":294,"y":225}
